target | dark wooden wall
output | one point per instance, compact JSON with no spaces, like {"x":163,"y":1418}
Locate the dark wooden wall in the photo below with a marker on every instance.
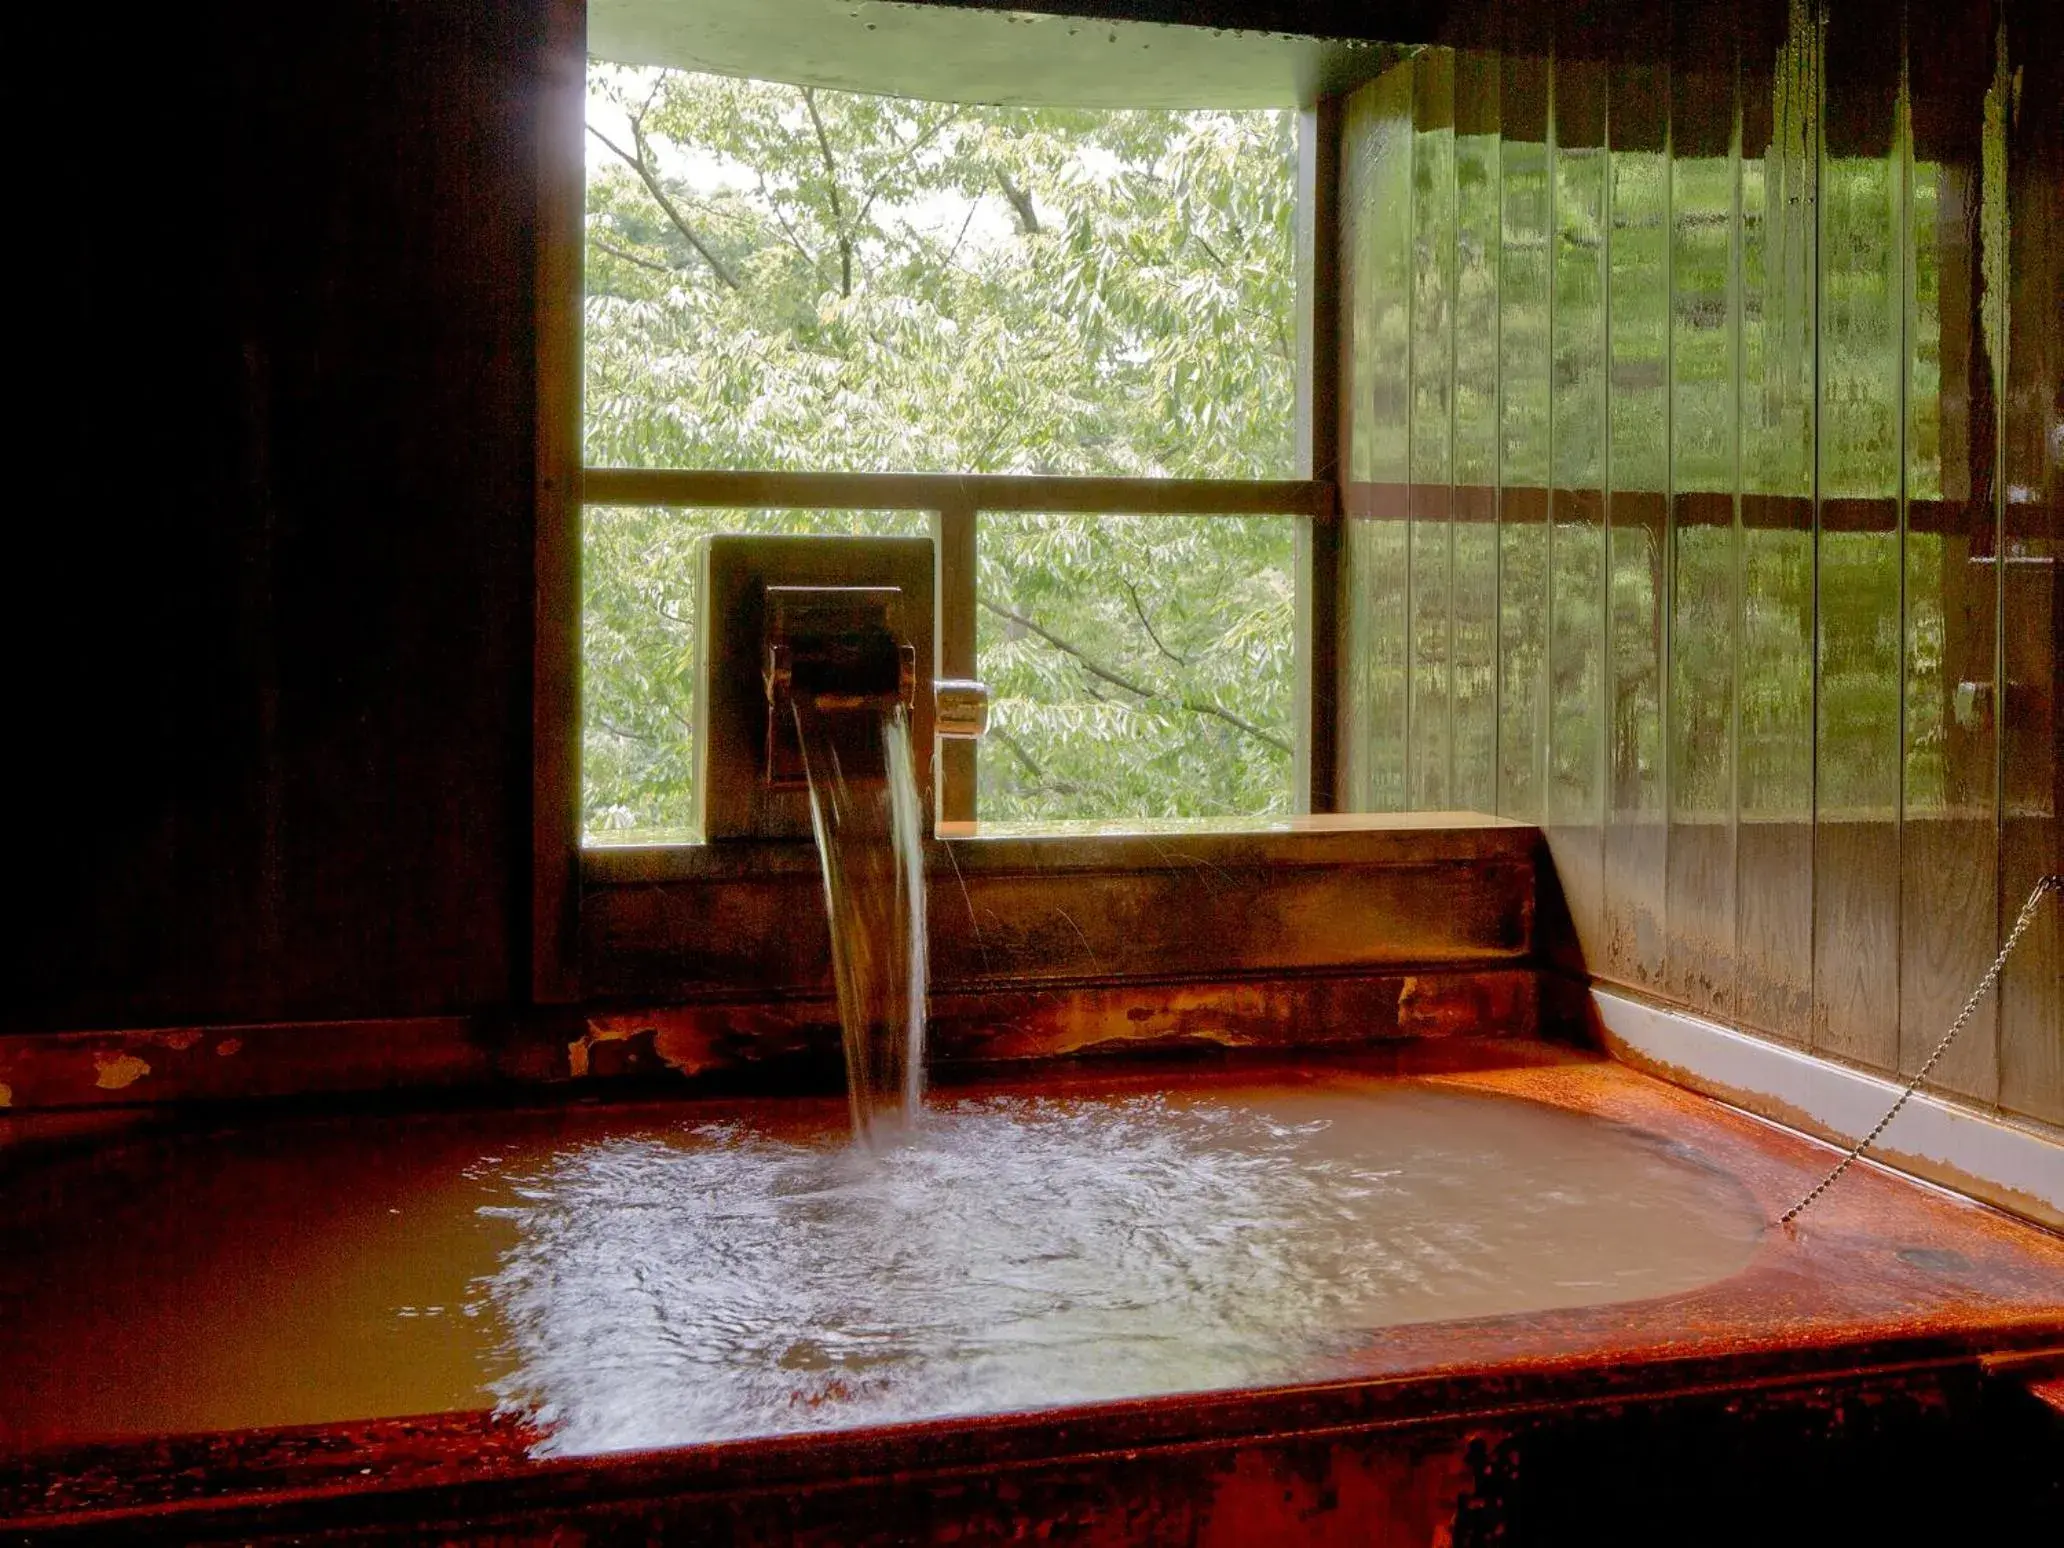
{"x":268,"y":654}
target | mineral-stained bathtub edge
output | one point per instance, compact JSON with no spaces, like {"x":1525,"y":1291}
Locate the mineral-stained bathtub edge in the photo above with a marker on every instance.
{"x":2015,"y":1168}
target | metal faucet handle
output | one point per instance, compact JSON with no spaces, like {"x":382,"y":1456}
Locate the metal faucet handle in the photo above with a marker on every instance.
{"x":960,"y":707}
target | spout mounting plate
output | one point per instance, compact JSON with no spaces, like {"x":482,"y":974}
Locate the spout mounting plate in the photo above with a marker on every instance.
{"x":840,"y":618}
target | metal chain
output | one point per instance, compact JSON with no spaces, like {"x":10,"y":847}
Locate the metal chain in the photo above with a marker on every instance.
{"x":2047,"y":884}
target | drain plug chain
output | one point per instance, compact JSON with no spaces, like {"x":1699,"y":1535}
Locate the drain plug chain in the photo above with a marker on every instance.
{"x":2046,"y":885}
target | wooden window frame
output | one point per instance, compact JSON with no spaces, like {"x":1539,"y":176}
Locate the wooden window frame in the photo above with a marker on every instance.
{"x":564,"y":488}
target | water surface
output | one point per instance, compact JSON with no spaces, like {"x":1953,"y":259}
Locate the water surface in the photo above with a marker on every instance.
{"x":656,"y":1276}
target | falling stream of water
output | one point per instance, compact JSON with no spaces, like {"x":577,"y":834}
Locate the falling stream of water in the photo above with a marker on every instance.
{"x":870,"y":836}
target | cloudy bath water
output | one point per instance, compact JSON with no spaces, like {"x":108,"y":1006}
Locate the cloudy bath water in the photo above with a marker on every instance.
{"x":1023,"y":1252}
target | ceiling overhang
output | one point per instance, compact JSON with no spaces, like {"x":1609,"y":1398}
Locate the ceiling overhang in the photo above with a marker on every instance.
{"x":978,"y":55}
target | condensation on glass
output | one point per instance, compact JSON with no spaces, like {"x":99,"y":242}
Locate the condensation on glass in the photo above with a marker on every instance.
{"x":1728,"y":344}
{"x":1376,"y":275}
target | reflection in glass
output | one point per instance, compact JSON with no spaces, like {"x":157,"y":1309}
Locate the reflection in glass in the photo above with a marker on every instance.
{"x":1949,"y":847}
{"x":1766,"y":624}
{"x":1523,"y":281}
{"x":1857,"y":711}
{"x":1640,"y":320}
{"x":1860,"y":306}
{"x":1431,"y":751}
{"x":1577,"y":587}
{"x":1704,"y":325}
{"x":1376,"y":156}
{"x":1523,"y":431}
{"x":1578,"y":326}
{"x":1859,"y":454}
{"x":1780,"y":118}
{"x":1637,"y":471}
{"x":2021,"y":214}
{"x":1475,"y":508}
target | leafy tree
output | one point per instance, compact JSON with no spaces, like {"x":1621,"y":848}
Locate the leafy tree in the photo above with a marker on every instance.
{"x":786,"y":278}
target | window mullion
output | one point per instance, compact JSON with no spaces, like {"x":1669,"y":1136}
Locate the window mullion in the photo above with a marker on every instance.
{"x":953,"y":538}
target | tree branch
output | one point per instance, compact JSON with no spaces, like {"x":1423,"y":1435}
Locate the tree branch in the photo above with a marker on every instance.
{"x":1139,"y":611}
{"x":622,"y":734}
{"x":953,"y":252}
{"x":1195,"y":705}
{"x":1021,"y":202}
{"x":788,"y":230}
{"x":638,"y":164}
{"x":838,"y":214}
{"x":1016,"y":749}
{"x":631,"y":257}
{"x":910,"y":149}
{"x":659,"y":80}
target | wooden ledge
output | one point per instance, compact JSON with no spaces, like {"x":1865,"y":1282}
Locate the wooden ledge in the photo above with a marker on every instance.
{"x":999,"y":848}
{"x":1103,"y":903}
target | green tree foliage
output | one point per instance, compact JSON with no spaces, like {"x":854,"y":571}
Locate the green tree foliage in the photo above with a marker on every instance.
{"x":784,"y":278}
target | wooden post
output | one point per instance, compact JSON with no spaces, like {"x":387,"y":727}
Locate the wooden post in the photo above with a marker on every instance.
{"x":953,"y":598}
{"x":555,"y":668}
{"x":1318,"y":439}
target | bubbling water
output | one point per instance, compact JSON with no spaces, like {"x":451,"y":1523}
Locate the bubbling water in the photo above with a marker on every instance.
{"x":870,"y":837}
{"x":1027,"y":1252}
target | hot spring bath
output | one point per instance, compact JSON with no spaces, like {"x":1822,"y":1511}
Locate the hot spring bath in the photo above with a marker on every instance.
{"x":1160,"y":1255}
{"x":653,"y":1278}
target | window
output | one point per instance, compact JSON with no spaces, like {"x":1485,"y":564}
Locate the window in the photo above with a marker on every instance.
{"x":1077,"y":327}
